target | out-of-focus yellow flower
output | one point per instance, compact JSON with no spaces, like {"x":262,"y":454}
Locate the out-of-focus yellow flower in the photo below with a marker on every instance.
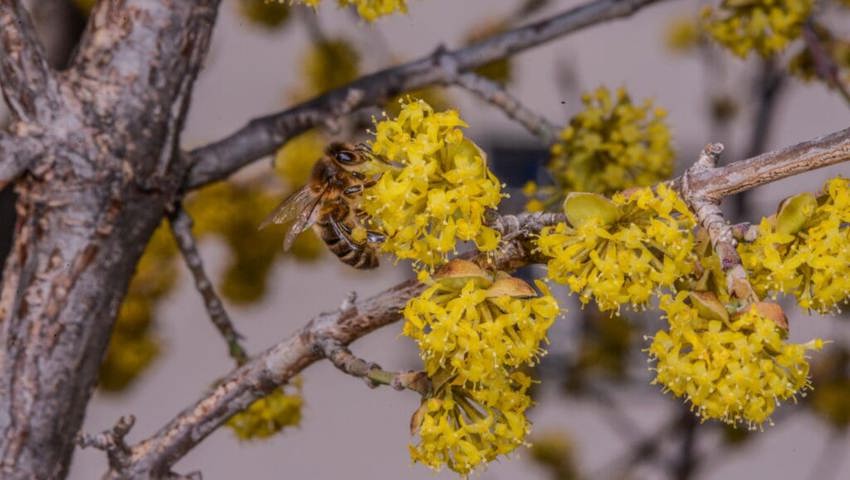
{"x":133,"y":346}
{"x":804,"y":250}
{"x":837,"y":49}
{"x":474,"y":330}
{"x":268,"y":415}
{"x":294,"y":161}
{"x":610,"y":146}
{"x":370,"y":10}
{"x":264,"y":13}
{"x":682,"y":34}
{"x":734,"y":370}
{"x":498,"y":70}
{"x":764,"y":26}
{"x":328,"y":65}
{"x":440,"y":191}
{"x":556,"y":452}
{"x":623,"y":251}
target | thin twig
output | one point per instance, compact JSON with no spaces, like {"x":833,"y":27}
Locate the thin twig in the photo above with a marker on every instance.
{"x":111,"y":441}
{"x":26,"y":79}
{"x":280,"y":363}
{"x":262,"y":136}
{"x":496,"y":95}
{"x":181,"y":228}
{"x":825,"y":66}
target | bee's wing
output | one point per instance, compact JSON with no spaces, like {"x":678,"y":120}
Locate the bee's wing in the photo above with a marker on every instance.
{"x":300,"y":206}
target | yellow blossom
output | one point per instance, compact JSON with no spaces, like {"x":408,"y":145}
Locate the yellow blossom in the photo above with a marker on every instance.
{"x":624,"y":261}
{"x":735,"y":370}
{"x":268,"y":415}
{"x":812,"y":263}
{"x":764,"y":26}
{"x":436,"y":189}
{"x":611,"y":145}
{"x":370,"y":10}
{"x":264,"y":12}
{"x":475,"y":329}
{"x":682,"y":34}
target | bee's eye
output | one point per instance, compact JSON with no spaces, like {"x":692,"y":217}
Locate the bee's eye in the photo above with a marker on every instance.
{"x":345,"y":157}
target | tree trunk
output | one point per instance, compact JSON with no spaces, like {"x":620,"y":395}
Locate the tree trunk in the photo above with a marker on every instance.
{"x":86,"y":210}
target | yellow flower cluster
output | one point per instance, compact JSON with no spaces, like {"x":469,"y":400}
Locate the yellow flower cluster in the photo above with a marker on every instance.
{"x":804,"y":250}
{"x":732,"y":369}
{"x":803,"y":64}
{"x":474,"y":330}
{"x":132,"y":346}
{"x":611,"y":145}
{"x":620,"y":251}
{"x":766,"y":26}
{"x":268,"y":415}
{"x":435,"y":187}
{"x":370,"y":10}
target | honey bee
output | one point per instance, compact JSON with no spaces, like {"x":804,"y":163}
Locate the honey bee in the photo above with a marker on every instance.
{"x":328,"y":203}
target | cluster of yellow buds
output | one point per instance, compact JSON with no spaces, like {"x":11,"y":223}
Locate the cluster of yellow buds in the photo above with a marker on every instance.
{"x":475,"y":330}
{"x":611,"y":145}
{"x":133,"y":346}
{"x":804,"y":250}
{"x":764,"y":26}
{"x":370,"y":10}
{"x":623,"y":250}
{"x":434,"y":187}
{"x":803,"y":64}
{"x":327,"y":65}
{"x":734,"y":368}
{"x":268,"y":415}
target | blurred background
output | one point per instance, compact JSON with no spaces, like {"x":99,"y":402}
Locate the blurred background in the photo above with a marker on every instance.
{"x":597,"y":416}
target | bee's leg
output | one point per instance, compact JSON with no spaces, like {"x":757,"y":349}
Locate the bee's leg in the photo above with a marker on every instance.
{"x":343,"y":233}
{"x":358,"y":189}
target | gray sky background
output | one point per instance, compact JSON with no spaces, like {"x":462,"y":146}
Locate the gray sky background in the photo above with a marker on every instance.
{"x":352,"y":432}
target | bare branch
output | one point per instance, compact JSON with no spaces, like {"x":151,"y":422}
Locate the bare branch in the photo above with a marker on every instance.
{"x":181,"y":228}
{"x":17,"y":153}
{"x":111,"y":441}
{"x":343,"y":359}
{"x":496,"y":95}
{"x":264,"y":135}
{"x":707,"y":211}
{"x":716,"y":183}
{"x":25,"y":77}
{"x":341,"y":327}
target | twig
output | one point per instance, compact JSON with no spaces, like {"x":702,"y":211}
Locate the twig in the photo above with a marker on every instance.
{"x":716,"y":183}
{"x":18,"y":151}
{"x":264,"y":135}
{"x":342,"y":358}
{"x":26,"y":79}
{"x":496,"y":95}
{"x":825,"y":66}
{"x":280,"y":363}
{"x":111,"y":441}
{"x":686,"y":463}
{"x":707,"y":211}
{"x":181,"y":228}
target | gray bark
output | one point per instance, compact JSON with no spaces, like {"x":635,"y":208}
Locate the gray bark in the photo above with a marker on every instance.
{"x":87,"y":204}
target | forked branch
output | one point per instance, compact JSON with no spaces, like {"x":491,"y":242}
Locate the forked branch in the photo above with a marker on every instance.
{"x":262,"y":136}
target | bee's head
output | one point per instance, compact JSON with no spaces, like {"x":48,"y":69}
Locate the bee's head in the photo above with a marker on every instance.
{"x":345,"y":155}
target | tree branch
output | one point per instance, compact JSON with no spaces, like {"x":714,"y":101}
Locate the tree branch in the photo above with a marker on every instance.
{"x":262,"y":136}
{"x":825,"y":66}
{"x":280,"y":363}
{"x":716,"y":183}
{"x":707,"y":211}
{"x":26,"y":79}
{"x":181,"y":228}
{"x":17,"y":153}
{"x":496,"y":95}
